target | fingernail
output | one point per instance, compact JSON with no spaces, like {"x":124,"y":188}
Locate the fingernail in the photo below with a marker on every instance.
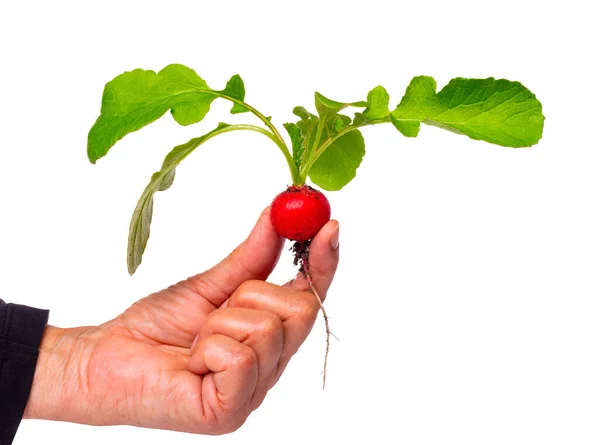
{"x":335,"y":238}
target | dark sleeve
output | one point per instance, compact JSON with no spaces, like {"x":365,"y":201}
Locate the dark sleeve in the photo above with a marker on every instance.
{"x":21,"y":330}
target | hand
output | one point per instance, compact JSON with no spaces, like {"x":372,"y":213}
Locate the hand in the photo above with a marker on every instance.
{"x":196,"y":357}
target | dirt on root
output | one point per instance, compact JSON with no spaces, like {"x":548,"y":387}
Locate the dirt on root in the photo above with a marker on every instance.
{"x":301,"y":249}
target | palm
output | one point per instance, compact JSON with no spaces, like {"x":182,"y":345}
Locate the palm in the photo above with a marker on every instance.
{"x":145,"y":354}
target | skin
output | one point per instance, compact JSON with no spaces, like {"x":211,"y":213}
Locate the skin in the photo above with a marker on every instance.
{"x":197,"y":357}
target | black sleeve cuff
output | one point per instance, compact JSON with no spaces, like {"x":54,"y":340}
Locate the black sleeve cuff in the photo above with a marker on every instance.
{"x":21,"y":329}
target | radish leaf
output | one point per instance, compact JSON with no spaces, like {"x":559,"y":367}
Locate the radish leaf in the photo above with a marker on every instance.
{"x":378,"y":102}
{"x":235,"y":89}
{"x":497,"y":111}
{"x":308,"y":126}
{"x":337,"y":165}
{"x":139,"y":227}
{"x":327,"y":107}
{"x":341,"y":121}
{"x":408,"y":128}
{"x":137,"y":98}
{"x":297,"y":142}
{"x":360,"y":120}
{"x":302,"y":113}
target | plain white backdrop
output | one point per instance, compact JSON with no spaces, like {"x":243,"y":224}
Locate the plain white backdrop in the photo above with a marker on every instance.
{"x":468,"y":295}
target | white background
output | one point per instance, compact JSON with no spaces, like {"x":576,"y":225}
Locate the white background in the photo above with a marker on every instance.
{"x":467,"y":299}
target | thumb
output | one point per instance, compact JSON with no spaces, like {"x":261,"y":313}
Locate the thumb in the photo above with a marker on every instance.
{"x":254,"y":259}
{"x":323,"y":258}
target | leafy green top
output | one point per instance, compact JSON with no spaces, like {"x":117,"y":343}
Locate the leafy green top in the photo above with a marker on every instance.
{"x":327,"y":147}
{"x":497,"y":111}
{"x":137,"y":98}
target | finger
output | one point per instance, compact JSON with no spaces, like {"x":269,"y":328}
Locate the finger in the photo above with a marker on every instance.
{"x":260,"y":330}
{"x":230,"y":372}
{"x":323,"y":260}
{"x":296,"y":309}
{"x":254,"y":259}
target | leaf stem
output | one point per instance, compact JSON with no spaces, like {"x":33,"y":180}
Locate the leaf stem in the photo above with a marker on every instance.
{"x":139,"y":227}
{"x":275,"y":136}
{"x":312,"y":149}
{"x":327,"y":142}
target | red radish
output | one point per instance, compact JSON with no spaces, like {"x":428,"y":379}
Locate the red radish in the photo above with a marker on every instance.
{"x":299,"y":213}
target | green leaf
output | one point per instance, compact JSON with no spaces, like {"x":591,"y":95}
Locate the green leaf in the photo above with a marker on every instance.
{"x":337,"y":165}
{"x":137,"y":98}
{"x":378,"y":101}
{"x":297,"y":142}
{"x":360,"y":119}
{"x":139,"y":227}
{"x":341,"y":121}
{"x":167,"y":181}
{"x":302,"y":113}
{"x":406,"y":127}
{"x":307,"y":124}
{"x":327,"y":107}
{"x":235,"y":89}
{"x":497,"y":111}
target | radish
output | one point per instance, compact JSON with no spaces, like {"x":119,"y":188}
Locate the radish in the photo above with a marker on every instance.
{"x":298,"y":213}
{"x":326,"y":147}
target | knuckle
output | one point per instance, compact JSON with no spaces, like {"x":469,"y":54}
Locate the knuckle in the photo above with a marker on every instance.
{"x":244,"y":293}
{"x":212,"y":320}
{"x":306,"y":308}
{"x":244,"y":360}
{"x":249,"y":286}
{"x":270,"y":324}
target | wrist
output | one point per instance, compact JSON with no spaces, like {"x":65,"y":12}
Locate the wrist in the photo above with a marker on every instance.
{"x":59,"y":375}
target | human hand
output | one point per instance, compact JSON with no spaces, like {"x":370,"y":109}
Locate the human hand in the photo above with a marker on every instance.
{"x":198,"y":356}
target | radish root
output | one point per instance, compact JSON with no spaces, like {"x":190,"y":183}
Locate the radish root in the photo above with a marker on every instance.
{"x":301,"y":258}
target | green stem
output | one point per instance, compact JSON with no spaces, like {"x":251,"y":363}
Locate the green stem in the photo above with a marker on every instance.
{"x":275,"y":136}
{"x":312,"y":149}
{"x":292,"y":166}
{"x":228,"y":128}
{"x":327,"y":142}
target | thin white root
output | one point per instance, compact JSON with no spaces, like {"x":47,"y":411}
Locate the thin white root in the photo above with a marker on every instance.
{"x":326,"y":318}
